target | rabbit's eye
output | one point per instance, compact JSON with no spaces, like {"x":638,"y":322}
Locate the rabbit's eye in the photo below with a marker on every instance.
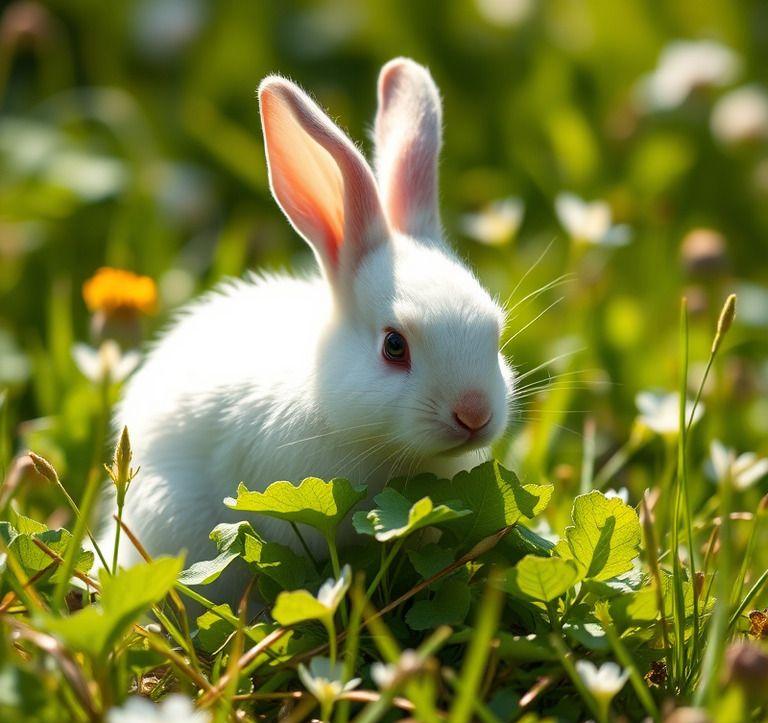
{"x":395,"y":348}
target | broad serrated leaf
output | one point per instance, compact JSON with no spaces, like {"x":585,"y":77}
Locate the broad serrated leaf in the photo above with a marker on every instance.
{"x":395,"y":516}
{"x":449,"y":606}
{"x":314,"y":502}
{"x":495,"y":496}
{"x":542,"y":578}
{"x":605,"y":536}
{"x":124,"y":597}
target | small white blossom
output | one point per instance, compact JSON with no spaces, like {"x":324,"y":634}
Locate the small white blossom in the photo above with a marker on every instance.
{"x":622,"y":493}
{"x":660,"y":411}
{"x":741,"y":116}
{"x":496,"y":224}
{"x":173,"y":709}
{"x":504,"y":13}
{"x":684,"y":66}
{"x":106,"y":361}
{"x":603,"y":682}
{"x":323,"y":680}
{"x":332,"y":591}
{"x":742,"y":470}
{"x":387,"y":674}
{"x":590,"y":222}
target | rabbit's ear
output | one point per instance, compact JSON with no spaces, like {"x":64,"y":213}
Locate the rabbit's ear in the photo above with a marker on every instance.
{"x":408,"y":135}
{"x":322,"y":183}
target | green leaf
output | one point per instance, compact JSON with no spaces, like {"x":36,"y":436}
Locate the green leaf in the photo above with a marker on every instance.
{"x":542,"y":578}
{"x":204,"y":572}
{"x":589,"y":634}
{"x":33,"y":559}
{"x":124,"y":597}
{"x":395,"y":516}
{"x":430,"y":559}
{"x":213,"y":630}
{"x":278,"y":562}
{"x":449,"y":606}
{"x":313,"y":502}
{"x":297,"y":606}
{"x":605,"y":536}
{"x":495,"y":496}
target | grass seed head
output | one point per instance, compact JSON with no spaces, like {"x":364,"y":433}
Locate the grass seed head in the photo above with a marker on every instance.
{"x":724,"y":322}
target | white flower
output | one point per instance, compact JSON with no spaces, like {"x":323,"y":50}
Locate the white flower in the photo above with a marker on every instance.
{"x":107,"y":360}
{"x":589,"y":222}
{"x":385,"y":675}
{"x":173,"y":709}
{"x":741,"y":116}
{"x":323,"y":680}
{"x":497,"y":223}
{"x":684,"y":66}
{"x":603,"y":682}
{"x":622,"y":493}
{"x":659,"y":411}
{"x":504,"y":13}
{"x":742,"y":470}
{"x":332,"y":591}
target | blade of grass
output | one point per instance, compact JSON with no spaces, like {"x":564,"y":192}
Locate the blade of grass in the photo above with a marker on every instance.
{"x":718,"y":625}
{"x":474,"y":663}
{"x":682,"y":471}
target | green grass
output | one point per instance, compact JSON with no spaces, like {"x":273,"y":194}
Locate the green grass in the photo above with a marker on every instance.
{"x":127,"y":145}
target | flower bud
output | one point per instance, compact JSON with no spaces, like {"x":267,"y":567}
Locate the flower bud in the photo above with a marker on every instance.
{"x":724,"y":322}
{"x":703,"y":252}
{"x":44,"y":468}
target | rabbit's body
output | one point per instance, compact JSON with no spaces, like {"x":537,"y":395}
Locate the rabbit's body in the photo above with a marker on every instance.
{"x":385,"y":363}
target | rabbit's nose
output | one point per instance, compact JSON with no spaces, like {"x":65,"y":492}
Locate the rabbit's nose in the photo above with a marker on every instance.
{"x":472,"y":411}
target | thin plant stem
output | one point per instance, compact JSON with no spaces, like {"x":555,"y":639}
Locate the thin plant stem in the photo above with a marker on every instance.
{"x":386,"y":562}
{"x":753,"y":592}
{"x":682,"y":471}
{"x":89,"y":499}
{"x":474,"y":663}
{"x":718,"y":626}
{"x":751,"y":543}
{"x":118,"y":527}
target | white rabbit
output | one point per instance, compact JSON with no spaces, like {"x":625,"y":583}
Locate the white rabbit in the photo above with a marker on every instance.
{"x":385,"y":362}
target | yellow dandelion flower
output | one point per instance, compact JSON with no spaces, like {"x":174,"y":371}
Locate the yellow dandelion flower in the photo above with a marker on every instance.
{"x":117,"y":291}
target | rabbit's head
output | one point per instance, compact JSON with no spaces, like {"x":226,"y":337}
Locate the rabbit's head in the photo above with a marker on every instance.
{"x":410,"y":359}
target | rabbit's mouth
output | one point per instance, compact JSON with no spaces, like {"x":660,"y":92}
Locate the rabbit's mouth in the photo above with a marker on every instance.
{"x":459,"y":441}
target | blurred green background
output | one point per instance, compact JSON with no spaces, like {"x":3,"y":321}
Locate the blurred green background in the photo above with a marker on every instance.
{"x":130,"y":137}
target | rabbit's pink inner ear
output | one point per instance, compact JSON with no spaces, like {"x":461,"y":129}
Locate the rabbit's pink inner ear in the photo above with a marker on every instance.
{"x":408,"y":138}
{"x":304,"y":177}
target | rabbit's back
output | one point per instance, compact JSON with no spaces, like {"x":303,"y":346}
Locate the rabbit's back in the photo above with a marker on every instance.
{"x":217,"y":396}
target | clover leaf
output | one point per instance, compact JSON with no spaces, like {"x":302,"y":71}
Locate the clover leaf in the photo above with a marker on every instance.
{"x":495,"y":496}
{"x":542,"y":578}
{"x":604,"y":538}
{"x":314,"y":502}
{"x":395,"y":517}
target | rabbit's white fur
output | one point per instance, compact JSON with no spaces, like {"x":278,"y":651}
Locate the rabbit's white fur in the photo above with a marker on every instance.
{"x":275,"y":377}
